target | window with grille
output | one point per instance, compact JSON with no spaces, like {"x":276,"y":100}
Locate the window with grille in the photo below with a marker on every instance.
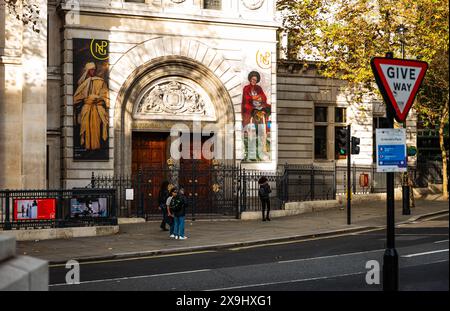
{"x":212,"y":4}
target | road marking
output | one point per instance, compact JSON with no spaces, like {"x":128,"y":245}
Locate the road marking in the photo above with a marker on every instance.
{"x":426,"y":253}
{"x":332,"y":256}
{"x":301,"y":240}
{"x":132,"y":278}
{"x":133,"y":258}
{"x":440,"y":241}
{"x":286,"y":282}
{"x":308,"y":279}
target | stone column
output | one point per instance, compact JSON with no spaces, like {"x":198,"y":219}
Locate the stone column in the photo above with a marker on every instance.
{"x":34,"y":100}
{"x":23,"y":106}
{"x":10,"y":100}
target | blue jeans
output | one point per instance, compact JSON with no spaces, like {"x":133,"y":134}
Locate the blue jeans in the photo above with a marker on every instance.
{"x":179,"y":226}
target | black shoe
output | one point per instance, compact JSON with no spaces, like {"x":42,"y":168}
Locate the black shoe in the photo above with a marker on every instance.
{"x":164,"y":229}
{"x":264,"y":219}
{"x":268,"y":219}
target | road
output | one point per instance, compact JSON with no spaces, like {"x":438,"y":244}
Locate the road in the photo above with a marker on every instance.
{"x":334,"y":263}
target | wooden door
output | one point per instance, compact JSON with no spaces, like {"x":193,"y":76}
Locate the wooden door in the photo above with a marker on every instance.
{"x":148,"y":173}
{"x":195,"y":176}
{"x":149,"y":150}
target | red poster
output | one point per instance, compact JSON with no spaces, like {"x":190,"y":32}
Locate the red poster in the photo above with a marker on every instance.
{"x":38,"y":209}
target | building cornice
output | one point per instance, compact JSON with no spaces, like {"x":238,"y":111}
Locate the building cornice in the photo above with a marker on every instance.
{"x":142,"y":11}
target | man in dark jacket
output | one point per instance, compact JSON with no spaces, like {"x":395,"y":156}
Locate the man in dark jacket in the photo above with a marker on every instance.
{"x":178,"y":207}
{"x":264,"y":196}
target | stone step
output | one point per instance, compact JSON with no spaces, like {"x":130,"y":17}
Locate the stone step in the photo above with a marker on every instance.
{"x":24,"y":273}
{"x":7,"y":247}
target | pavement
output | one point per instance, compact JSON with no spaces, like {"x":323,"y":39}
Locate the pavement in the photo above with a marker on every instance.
{"x":147,"y":239}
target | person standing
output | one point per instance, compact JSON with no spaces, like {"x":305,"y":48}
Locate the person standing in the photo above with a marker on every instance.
{"x":162,"y":199}
{"x":178,"y":207}
{"x":173,"y":193}
{"x":264,"y":196}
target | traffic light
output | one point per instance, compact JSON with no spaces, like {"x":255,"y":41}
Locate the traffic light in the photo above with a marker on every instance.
{"x":355,"y":145}
{"x":341,"y":141}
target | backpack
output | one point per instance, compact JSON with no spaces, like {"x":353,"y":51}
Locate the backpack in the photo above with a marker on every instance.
{"x":176,"y":204}
{"x":263,"y":192}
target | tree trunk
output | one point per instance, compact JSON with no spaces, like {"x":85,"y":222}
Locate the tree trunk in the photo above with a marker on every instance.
{"x":444,"y":152}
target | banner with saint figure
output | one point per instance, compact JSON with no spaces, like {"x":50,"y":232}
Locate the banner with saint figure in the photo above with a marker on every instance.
{"x":256,"y":121}
{"x":90,"y":99}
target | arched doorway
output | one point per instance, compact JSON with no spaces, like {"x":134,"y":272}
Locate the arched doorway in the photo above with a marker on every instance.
{"x":167,"y":93}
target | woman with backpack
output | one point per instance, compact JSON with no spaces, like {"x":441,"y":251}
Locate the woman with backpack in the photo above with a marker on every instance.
{"x":264,"y":196}
{"x":178,"y":208}
{"x":170,"y":215}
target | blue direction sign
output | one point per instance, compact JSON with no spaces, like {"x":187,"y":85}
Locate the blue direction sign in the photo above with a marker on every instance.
{"x":391,"y":150}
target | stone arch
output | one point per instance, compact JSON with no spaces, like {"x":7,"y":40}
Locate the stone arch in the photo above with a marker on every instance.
{"x":158,"y":58}
{"x":191,"y":49}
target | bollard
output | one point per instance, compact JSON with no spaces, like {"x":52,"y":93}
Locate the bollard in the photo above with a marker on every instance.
{"x":406,"y":209}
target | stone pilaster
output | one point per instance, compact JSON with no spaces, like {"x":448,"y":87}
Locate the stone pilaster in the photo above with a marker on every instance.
{"x":23,"y":103}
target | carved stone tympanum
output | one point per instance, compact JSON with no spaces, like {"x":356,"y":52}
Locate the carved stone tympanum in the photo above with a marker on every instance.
{"x":174,"y":98}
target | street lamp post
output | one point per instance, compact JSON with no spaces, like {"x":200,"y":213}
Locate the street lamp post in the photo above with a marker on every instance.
{"x":401,"y":29}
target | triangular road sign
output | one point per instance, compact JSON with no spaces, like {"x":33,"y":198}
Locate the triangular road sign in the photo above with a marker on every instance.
{"x":398,"y":81}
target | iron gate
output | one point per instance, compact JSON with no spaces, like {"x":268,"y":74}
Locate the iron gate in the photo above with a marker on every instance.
{"x":212,"y":191}
{"x":215,"y":191}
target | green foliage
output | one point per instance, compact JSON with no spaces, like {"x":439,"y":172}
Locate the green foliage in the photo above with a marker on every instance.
{"x":345,"y":34}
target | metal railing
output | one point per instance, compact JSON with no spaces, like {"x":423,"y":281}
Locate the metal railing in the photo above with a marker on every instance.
{"x":57,"y":208}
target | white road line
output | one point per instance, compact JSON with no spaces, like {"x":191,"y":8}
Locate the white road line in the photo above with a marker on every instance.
{"x":332,"y":256}
{"x":96,"y":262}
{"x":426,"y":253}
{"x":132,"y":278}
{"x":286,"y":282}
{"x":440,"y":241}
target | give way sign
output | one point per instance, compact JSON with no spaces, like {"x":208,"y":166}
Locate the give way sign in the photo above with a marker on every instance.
{"x":398,"y":81}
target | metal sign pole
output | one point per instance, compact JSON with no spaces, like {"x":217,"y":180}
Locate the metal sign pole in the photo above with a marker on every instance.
{"x":349,"y":185}
{"x":390,"y":260}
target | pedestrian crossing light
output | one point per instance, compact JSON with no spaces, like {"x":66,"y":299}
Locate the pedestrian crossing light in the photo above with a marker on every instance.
{"x":355,"y":145}
{"x":341,"y":141}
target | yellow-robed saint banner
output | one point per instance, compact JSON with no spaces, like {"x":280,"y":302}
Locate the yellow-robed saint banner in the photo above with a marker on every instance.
{"x":91,"y":99}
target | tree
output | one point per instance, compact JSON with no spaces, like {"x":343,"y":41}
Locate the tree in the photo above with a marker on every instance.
{"x":346,"y":34}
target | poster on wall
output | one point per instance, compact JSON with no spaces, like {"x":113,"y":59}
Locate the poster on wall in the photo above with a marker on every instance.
{"x":37,"y":209}
{"x":88,"y":207}
{"x":256,"y":120}
{"x":90,"y":99}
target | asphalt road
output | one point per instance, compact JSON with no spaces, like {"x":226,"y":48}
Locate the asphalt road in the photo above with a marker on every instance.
{"x":327,"y":264}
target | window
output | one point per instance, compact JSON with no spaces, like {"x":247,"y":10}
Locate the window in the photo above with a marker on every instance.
{"x":212,"y":4}
{"x":320,"y":114}
{"x":340,"y":115}
{"x":320,"y":132}
{"x":320,"y":142}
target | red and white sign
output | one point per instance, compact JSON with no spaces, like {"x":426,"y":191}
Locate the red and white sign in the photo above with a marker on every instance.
{"x":398,"y":81}
{"x":34,"y":209}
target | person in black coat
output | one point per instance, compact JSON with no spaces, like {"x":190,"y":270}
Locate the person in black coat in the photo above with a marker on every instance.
{"x":264,"y":196}
{"x":162,"y":198}
{"x":178,"y":206}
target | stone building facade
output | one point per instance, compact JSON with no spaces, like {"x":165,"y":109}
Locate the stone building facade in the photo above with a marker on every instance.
{"x":170,"y":62}
{"x":310,"y":110}
{"x":196,"y":52}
